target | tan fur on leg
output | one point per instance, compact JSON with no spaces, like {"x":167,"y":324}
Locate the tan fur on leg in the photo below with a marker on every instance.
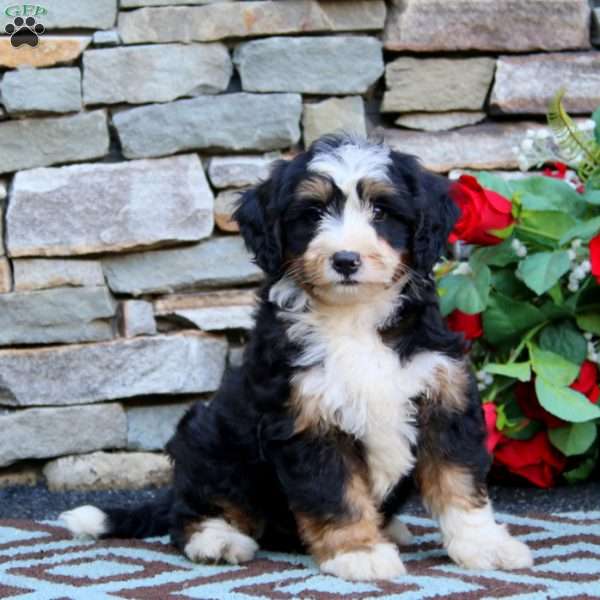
{"x":470,"y":533}
{"x":352,"y":547}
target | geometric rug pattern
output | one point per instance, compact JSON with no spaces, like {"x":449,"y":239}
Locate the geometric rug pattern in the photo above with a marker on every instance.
{"x":39,"y":561}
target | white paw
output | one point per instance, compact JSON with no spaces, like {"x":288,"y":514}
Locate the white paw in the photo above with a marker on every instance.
{"x":399,"y":533}
{"x":85,"y":522}
{"x":382,"y":561}
{"x":496,"y":550}
{"x":219,"y":541}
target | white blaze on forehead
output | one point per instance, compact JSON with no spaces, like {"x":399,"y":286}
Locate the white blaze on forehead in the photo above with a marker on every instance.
{"x":349,"y":163}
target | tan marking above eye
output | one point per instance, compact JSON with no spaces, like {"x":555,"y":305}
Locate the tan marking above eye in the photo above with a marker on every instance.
{"x":315,"y":188}
{"x":373,"y":188}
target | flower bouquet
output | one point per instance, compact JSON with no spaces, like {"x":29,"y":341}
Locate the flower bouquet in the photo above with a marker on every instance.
{"x":528,"y":301}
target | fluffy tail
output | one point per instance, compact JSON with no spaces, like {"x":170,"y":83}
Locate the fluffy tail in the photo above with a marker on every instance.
{"x":146,"y":520}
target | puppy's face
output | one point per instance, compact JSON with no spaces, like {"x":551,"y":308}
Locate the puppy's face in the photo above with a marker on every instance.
{"x":347,"y":219}
{"x":347,"y":229}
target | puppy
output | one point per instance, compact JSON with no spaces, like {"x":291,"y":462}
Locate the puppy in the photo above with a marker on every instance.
{"x":351,"y":387}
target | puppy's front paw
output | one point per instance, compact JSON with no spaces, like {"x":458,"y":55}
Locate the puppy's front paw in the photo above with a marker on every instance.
{"x":492,"y":550}
{"x":382,"y":561}
{"x":399,"y":533}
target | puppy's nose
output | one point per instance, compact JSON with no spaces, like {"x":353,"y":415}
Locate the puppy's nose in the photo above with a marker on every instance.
{"x":346,"y":262}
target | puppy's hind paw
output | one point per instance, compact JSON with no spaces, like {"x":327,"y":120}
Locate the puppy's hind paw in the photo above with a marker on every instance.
{"x":218,"y":541}
{"x":399,"y":533}
{"x":381,"y":561}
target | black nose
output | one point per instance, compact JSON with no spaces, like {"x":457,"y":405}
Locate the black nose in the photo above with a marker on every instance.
{"x":346,"y":262}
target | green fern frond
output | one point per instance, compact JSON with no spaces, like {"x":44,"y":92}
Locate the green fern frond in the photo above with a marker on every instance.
{"x":574,"y":146}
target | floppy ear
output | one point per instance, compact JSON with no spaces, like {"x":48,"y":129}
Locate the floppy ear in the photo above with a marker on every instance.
{"x":259,"y":225}
{"x":439,"y":213}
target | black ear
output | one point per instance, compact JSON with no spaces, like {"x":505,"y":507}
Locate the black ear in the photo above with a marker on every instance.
{"x":438,"y":215}
{"x":256,"y":215}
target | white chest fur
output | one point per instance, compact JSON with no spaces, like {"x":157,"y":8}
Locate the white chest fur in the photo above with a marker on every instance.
{"x":358,"y":384}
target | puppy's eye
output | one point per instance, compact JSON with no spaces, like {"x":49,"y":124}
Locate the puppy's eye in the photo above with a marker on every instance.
{"x":312,"y":215}
{"x":379,"y":213}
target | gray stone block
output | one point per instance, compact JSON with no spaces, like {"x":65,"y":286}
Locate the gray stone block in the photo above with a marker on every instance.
{"x":119,"y":206}
{"x":108,"y":471}
{"x":142,"y":74}
{"x":57,"y":315}
{"x":151,"y":427}
{"x":526,"y":84}
{"x":106,"y":38}
{"x":239,"y":171}
{"x":42,"y":90}
{"x":501,"y":25}
{"x":216,"y":262}
{"x":437,"y":84}
{"x":334,"y":115}
{"x":486,"y":146}
{"x":80,"y":14}
{"x":311,"y":65}
{"x":439,"y":121}
{"x":248,"y":19}
{"x":217,"y":311}
{"x":136,"y":317}
{"x":48,"y":432}
{"x":30,"y":143}
{"x":184,"y":363}
{"x":5,"y":276}
{"x":230,"y":121}
{"x":44,"y":273}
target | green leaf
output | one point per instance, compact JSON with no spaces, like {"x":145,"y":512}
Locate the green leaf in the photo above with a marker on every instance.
{"x":596,"y":118}
{"x":506,"y":318}
{"x":494,"y":182}
{"x":499,"y":255}
{"x":592,"y":196}
{"x":589,"y":322}
{"x":585,"y":230}
{"x":520,"y":370}
{"x":524,"y":431}
{"x":552,"y":367}
{"x":582,"y":471}
{"x":573,"y":439}
{"x":564,"y":339}
{"x":549,"y":223}
{"x":468,"y":293}
{"x":505,"y":282}
{"x":541,"y":271}
{"x":565,"y":403}
{"x":547,"y":193}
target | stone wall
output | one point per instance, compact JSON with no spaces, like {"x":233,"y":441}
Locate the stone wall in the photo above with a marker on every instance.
{"x":124,"y":286}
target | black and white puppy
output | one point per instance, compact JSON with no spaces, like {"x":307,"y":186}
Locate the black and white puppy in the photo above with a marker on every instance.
{"x":352,"y":386}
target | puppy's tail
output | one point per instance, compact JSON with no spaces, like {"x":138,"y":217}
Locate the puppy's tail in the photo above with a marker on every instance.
{"x":145,"y":520}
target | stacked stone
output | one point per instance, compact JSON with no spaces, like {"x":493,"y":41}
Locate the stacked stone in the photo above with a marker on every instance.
{"x":129,"y":132}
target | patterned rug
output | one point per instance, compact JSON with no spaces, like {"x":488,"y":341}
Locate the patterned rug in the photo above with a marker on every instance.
{"x":38,"y":561}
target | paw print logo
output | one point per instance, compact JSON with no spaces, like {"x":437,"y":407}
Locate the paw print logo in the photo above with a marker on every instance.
{"x":24,"y":32}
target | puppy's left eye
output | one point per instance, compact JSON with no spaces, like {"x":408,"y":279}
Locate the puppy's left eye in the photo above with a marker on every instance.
{"x":379,"y":213}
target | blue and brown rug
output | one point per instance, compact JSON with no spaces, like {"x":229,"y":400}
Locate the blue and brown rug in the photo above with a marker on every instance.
{"x":38,"y":561}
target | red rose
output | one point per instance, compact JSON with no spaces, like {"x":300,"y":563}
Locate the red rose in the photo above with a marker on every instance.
{"x":587,"y":381}
{"x":531,"y":408}
{"x":481,"y":211}
{"x":494,"y":437}
{"x":535,"y":460}
{"x":595,"y":256}
{"x":469,"y":325}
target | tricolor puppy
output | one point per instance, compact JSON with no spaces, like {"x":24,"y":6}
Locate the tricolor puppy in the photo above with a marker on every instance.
{"x":352,"y":386}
